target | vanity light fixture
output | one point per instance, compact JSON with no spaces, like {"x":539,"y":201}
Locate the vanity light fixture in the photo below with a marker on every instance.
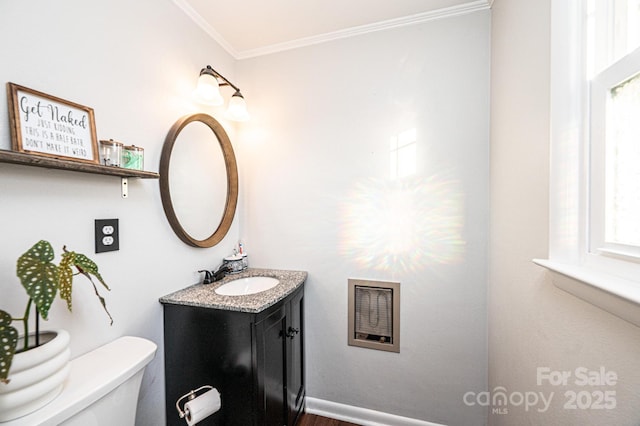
{"x":208,"y":92}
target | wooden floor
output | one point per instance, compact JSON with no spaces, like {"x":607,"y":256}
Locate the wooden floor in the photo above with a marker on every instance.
{"x":313,"y":420}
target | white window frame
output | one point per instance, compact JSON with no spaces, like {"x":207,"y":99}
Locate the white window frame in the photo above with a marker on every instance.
{"x":600,"y":90}
{"x":610,"y":282}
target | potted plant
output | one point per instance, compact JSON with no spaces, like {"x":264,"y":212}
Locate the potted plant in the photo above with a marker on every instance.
{"x":42,"y":280}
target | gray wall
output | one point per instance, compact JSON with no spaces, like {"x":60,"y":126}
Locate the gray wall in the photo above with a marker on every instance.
{"x":318,"y":197}
{"x":313,"y":161}
{"x":136,"y":64}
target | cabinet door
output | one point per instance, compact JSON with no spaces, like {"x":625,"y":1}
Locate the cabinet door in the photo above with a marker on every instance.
{"x":295,"y":357}
{"x":209,"y":347}
{"x":270,"y":359}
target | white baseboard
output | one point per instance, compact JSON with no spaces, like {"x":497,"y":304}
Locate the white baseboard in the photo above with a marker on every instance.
{"x":360,"y":416}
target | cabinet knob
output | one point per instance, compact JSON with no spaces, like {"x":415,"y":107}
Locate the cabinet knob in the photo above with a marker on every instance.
{"x":291,"y":332}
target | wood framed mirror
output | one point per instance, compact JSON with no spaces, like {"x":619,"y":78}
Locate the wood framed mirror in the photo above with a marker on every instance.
{"x":198,"y":180}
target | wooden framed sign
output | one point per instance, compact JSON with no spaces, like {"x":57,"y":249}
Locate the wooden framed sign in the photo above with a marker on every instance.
{"x":42,"y":124}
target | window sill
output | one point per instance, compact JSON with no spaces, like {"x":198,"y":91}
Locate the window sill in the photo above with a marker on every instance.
{"x":618,"y":296}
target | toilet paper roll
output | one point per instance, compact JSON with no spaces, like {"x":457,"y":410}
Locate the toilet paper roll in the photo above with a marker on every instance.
{"x":202,"y":407}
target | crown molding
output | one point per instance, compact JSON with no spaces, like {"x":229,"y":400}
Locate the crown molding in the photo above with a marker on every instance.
{"x":462,"y":9}
{"x":202,"y":23}
{"x":369,"y":28}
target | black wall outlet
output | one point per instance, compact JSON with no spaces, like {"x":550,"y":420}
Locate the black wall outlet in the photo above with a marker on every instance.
{"x":107,"y":237}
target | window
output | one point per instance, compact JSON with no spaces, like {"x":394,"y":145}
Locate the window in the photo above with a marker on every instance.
{"x":594,"y":235}
{"x":612,"y":68}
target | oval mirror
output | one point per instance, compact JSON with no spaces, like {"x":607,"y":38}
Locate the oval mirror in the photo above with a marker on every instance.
{"x":198,"y":180}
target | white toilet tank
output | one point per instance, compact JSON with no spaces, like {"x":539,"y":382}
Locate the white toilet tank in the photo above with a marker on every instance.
{"x":102,"y":389}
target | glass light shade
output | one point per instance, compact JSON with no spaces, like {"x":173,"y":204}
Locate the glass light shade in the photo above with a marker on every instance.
{"x":208,"y":91}
{"x":237,"y":110}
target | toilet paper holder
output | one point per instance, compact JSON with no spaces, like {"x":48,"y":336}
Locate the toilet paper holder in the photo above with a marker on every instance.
{"x":191,"y":395}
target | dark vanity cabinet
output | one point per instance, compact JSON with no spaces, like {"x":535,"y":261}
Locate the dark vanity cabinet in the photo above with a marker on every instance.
{"x":255,"y":360}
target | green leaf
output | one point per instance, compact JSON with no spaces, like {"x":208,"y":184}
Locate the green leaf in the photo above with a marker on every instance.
{"x":8,"y":343}
{"x":66,"y":276}
{"x":88,"y":266}
{"x":39,"y":276}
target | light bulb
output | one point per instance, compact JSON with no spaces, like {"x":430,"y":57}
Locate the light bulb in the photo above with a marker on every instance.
{"x":207,"y":90}
{"x":237,"y":110}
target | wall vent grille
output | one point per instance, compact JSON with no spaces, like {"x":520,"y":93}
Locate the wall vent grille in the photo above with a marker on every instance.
{"x":374,"y":314}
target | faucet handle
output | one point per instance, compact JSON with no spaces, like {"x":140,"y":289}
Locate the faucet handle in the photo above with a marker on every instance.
{"x":208,"y":277}
{"x":223,"y":270}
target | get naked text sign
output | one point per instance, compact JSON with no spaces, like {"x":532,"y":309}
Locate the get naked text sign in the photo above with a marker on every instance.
{"x":45,"y":125}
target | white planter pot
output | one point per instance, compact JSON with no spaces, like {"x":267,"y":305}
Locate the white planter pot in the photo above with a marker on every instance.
{"x":36,"y":376}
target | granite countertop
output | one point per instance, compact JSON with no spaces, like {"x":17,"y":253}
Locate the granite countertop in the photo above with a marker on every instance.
{"x":204,"y":295}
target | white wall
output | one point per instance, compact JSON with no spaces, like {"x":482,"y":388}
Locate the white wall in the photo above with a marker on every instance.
{"x":316,"y":158}
{"x":135,"y":63}
{"x":532,"y":324}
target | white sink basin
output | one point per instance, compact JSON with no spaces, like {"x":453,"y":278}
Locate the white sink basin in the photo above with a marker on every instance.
{"x":248,"y":285}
